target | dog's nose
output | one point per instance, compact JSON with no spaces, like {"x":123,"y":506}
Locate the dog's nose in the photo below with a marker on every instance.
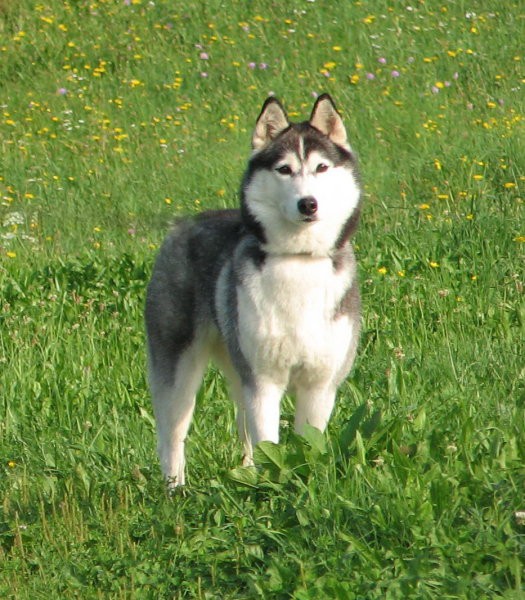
{"x":307,"y":206}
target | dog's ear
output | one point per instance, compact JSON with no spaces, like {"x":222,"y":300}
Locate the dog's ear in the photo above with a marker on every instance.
{"x":271,"y":122}
{"x":327,"y":120}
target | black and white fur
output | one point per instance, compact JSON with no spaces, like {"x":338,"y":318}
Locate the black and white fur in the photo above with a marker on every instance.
{"x":269,"y":292}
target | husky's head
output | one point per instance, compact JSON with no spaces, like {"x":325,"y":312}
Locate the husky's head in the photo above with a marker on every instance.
{"x":300,"y":193}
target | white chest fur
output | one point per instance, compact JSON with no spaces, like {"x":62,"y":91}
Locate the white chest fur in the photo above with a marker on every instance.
{"x":287,"y":317}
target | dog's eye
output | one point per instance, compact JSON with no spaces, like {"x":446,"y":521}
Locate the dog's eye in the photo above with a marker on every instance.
{"x":284,"y":170}
{"x":321,"y":168}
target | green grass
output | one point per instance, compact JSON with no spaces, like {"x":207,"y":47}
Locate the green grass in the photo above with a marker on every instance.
{"x":108,"y":130}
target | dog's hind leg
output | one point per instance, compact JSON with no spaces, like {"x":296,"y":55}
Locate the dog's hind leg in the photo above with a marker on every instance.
{"x":173,"y":404}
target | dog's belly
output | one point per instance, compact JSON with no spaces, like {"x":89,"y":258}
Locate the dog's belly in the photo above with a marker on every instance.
{"x":287,"y":319}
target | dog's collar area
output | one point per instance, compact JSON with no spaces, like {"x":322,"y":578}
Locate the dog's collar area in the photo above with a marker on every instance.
{"x":297,"y":255}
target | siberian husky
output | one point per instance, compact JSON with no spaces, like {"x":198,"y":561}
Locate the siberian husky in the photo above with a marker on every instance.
{"x":269,"y":292}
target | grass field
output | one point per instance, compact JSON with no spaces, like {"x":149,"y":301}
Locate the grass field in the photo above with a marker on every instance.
{"x":117,"y":116}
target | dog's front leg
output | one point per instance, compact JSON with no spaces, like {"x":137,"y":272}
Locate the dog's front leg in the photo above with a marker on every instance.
{"x":314,"y":406}
{"x":262,"y":403}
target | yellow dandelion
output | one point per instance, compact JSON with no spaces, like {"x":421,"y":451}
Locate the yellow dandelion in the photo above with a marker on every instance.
{"x":520,"y":239}
{"x":382,"y":270}
{"x":433,"y":264}
{"x":11,"y":254}
{"x":509,"y":185}
{"x":424,"y":206}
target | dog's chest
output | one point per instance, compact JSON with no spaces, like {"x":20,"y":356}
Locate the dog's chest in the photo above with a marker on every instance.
{"x":287,"y":314}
